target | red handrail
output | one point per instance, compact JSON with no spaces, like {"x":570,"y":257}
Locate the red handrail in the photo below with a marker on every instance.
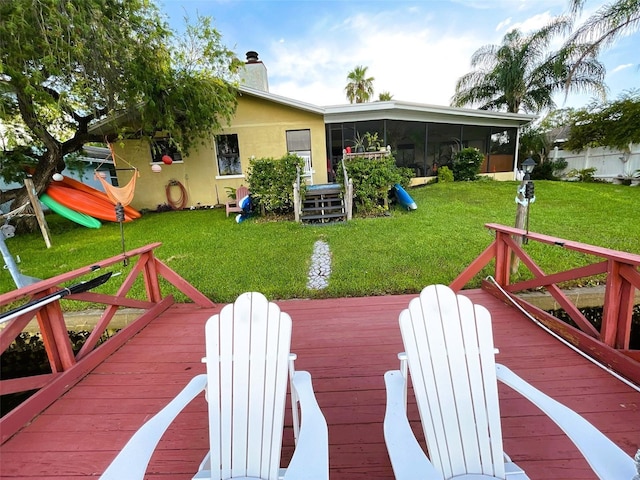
{"x":67,"y":368}
{"x":610,"y":344}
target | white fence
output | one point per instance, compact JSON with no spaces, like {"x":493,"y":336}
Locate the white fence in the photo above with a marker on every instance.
{"x":610,"y":164}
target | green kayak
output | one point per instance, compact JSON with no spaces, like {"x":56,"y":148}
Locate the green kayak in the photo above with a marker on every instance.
{"x":80,"y":218}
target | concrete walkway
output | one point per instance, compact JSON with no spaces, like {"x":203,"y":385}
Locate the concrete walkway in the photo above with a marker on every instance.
{"x":320,"y":269}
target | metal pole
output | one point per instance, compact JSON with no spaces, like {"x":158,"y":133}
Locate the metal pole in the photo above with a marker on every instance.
{"x":6,"y":231}
{"x":522,"y":214}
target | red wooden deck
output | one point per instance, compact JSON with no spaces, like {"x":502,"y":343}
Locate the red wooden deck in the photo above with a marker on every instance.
{"x":347,"y":345}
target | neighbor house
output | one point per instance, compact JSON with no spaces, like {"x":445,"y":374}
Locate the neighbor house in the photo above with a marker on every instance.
{"x":88,"y":161}
{"x":421,"y":137}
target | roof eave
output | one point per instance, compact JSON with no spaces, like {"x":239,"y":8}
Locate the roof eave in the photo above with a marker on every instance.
{"x":399,"y":110}
{"x":281,"y":100}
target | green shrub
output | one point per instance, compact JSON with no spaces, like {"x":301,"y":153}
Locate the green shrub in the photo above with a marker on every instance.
{"x":549,"y":169}
{"x":445,"y":174}
{"x":584,"y":175}
{"x":372,"y":179}
{"x":466,"y":164}
{"x":271,"y":182}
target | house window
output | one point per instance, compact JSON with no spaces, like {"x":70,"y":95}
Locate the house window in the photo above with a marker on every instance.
{"x":161,"y":147}
{"x":228,"y":155}
{"x":299,"y":142}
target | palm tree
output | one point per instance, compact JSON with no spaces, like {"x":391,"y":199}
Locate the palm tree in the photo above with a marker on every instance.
{"x":520,"y":74}
{"x":385,"y":96}
{"x":360,"y":88}
{"x":609,"y":23}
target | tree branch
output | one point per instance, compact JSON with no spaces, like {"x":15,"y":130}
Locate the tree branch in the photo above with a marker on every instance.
{"x":25,"y":104}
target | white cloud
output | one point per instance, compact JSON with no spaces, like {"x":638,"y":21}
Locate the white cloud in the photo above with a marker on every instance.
{"x":519,"y":5}
{"x":413,"y":59}
{"x":503,"y":24}
{"x":622,"y":67}
{"x":533,"y":23}
{"x":415,"y":51}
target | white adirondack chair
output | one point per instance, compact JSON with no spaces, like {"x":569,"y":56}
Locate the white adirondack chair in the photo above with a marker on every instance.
{"x":450,"y":355}
{"x":248,"y":363}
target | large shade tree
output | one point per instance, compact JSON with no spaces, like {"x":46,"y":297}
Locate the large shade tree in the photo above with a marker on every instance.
{"x":612,"y":124}
{"x":65,"y":66}
{"x":360,"y":87}
{"x":522,"y":75}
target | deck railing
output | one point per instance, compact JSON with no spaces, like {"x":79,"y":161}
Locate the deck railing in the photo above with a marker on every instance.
{"x":68,"y":368}
{"x":611,"y":343}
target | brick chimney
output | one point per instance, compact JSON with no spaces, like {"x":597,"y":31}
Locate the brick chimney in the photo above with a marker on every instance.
{"x":254,"y":74}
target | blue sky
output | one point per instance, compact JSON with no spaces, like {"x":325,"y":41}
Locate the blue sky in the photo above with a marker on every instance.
{"x":414,"y":50}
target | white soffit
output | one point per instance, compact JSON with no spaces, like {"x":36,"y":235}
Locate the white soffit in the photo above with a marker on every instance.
{"x":395,"y":110}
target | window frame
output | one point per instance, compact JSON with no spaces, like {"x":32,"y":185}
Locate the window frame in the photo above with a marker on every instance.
{"x":159,"y":147}
{"x":307,"y":152}
{"x":235,"y":153}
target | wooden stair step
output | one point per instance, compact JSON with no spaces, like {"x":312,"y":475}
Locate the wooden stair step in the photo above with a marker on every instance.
{"x":316,"y":212}
{"x":323,"y":199}
{"x":324,"y":191}
{"x":322,"y":205}
{"x":325,"y":216}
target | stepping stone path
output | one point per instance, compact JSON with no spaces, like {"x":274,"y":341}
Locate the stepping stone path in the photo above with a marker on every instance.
{"x":320,"y":266}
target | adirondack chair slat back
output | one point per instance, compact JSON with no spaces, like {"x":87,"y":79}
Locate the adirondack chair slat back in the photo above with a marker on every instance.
{"x":241,"y":192}
{"x":247,"y":347}
{"x":450,"y":353}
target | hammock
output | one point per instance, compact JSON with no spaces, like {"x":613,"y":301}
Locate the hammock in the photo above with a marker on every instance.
{"x":122,"y":195}
{"x":118,"y":195}
{"x":17,"y":212}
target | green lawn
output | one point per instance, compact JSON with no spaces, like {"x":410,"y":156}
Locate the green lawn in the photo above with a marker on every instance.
{"x":400,"y":253}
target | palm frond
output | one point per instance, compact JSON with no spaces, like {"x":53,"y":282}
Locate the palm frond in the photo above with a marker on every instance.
{"x":575,"y":6}
{"x":605,"y":27}
{"x":609,"y":23}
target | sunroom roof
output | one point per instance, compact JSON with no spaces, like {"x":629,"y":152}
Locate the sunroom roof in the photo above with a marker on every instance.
{"x":410,"y":111}
{"x":399,"y":110}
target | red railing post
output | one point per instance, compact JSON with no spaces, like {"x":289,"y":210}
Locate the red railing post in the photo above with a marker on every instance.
{"x":55,"y":337}
{"x":617,"y":309}
{"x":503,"y":261}
{"x":150,"y":274}
{"x":608,"y":331}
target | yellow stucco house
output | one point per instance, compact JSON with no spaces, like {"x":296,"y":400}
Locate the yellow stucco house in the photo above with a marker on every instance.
{"x":264,"y":126}
{"x":421,"y":137}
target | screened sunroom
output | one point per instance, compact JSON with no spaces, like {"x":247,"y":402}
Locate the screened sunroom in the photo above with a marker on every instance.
{"x":425,"y":137}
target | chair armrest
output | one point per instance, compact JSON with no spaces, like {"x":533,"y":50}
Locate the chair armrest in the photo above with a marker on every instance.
{"x":310,"y":459}
{"x":605,"y":458}
{"x":408,"y":460}
{"x":131,"y":463}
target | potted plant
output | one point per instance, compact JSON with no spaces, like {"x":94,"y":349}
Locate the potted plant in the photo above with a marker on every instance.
{"x":373,"y":142}
{"x":359,"y":142}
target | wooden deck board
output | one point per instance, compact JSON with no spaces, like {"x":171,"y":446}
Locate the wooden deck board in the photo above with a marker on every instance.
{"x":347,"y":345}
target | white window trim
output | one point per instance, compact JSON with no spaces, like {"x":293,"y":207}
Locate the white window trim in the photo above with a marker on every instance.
{"x":223,"y":177}
{"x":217,"y":160}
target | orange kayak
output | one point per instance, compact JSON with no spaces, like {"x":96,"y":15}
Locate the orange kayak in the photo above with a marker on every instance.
{"x":83,"y":187}
{"x":85,"y":202}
